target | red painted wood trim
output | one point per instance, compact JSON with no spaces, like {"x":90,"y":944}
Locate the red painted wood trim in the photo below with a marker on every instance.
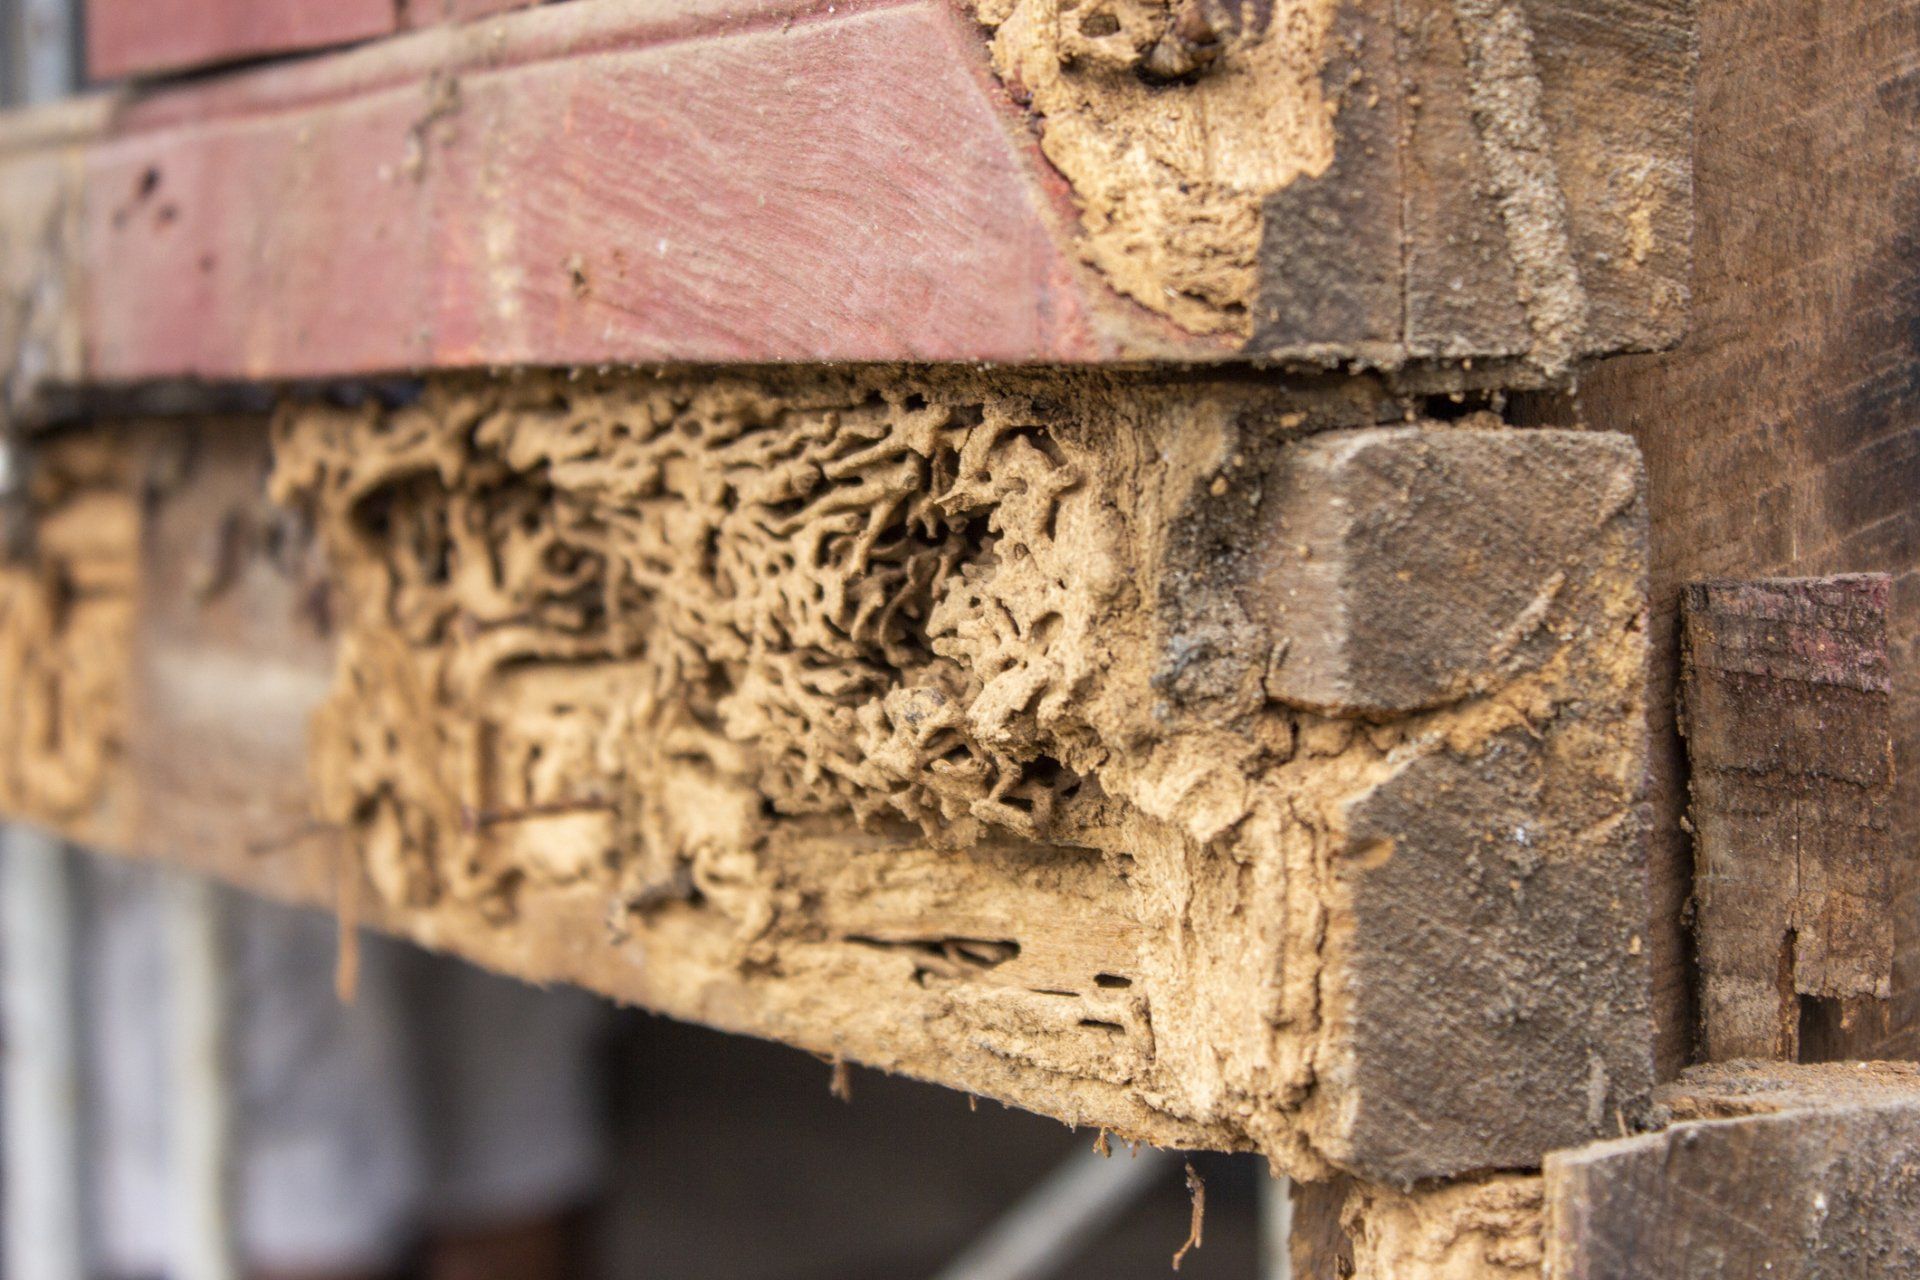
{"x":612,"y":183}
{"x":147,"y":37}
{"x":138,"y":37}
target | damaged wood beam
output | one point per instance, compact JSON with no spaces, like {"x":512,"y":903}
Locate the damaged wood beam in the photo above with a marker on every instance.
{"x":612,"y":181}
{"x":1787,"y":709}
{"x":1019,"y":732}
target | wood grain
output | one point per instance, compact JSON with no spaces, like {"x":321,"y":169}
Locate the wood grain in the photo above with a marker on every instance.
{"x":1786,"y":707}
{"x":1807,"y":1177}
{"x":871,"y":205}
{"x":150,"y":37}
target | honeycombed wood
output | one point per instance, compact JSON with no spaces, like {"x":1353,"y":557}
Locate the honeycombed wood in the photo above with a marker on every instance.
{"x":1012,"y":790}
{"x":618,"y":181}
{"x":1786,"y":697}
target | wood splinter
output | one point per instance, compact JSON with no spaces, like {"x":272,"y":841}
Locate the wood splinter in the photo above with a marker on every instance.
{"x":1197,"y":1190}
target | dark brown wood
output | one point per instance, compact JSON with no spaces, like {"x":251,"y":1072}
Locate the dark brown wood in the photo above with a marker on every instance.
{"x":1781,"y":436}
{"x":1318,"y":1247}
{"x":1508,"y":183}
{"x":1404,"y":583}
{"x":1422,"y":589}
{"x":1787,"y":712}
{"x":1804,"y":1176}
{"x":1330,"y":260}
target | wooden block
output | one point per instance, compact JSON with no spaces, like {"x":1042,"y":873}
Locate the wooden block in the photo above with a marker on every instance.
{"x":1405,"y":578}
{"x":921,"y":722}
{"x":625,"y":181}
{"x":1787,"y":711}
{"x":1405,"y":621}
{"x":1802,"y":1173}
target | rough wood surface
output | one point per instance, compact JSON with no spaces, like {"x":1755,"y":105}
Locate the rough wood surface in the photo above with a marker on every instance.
{"x":1780,"y":436}
{"x":149,"y":37}
{"x":629,"y":181}
{"x":1814,"y":1178}
{"x":1519,"y":188}
{"x":1760,"y":1169}
{"x":1479,"y":1228}
{"x":1787,"y":712}
{"x":917,"y":719}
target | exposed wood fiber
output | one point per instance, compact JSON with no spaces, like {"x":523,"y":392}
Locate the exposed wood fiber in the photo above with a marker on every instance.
{"x":1476,"y":1229}
{"x":1373,"y":182}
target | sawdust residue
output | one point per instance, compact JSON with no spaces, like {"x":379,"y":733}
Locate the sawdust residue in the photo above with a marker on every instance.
{"x":1172,"y":120}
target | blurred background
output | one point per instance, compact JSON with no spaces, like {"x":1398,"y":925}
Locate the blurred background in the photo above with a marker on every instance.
{"x":686,"y":1153}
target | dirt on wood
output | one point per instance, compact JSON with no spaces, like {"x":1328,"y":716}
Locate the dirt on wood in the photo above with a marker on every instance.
{"x":1173,"y":120}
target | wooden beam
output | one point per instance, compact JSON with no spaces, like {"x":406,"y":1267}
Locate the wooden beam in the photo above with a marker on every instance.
{"x":619,"y":181}
{"x":149,"y":37}
{"x":1801,"y":1174}
{"x":939,"y":722}
{"x":136,"y":37}
{"x":1786,"y":696}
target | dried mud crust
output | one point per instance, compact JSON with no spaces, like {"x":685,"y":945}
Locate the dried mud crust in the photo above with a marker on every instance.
{"x":1172,"y":120}
{"x":942,"y":701}
{"x":917,"y":610}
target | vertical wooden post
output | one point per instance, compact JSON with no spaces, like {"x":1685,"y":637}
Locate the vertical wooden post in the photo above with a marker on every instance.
{"x":1787,"y":711}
